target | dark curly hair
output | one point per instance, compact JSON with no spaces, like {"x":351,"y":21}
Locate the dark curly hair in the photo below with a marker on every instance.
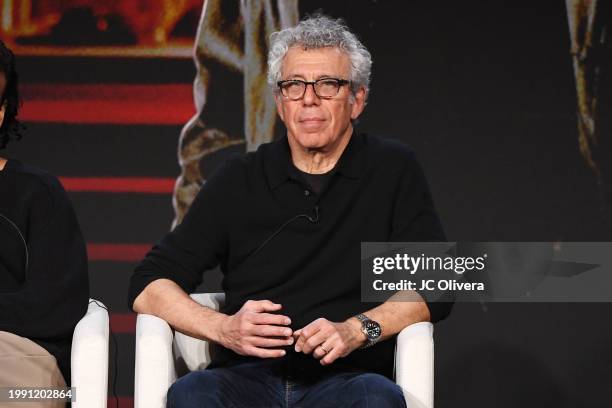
{"x":11,"y":128}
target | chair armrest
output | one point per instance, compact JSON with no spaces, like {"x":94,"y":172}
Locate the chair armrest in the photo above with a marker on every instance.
{"x":212,"y":300}
{"x":161,"y":355}
{"x":154,"y":371}
{"x":191,"y":354}
{"x":414,"y":364}
{"x":89,"y":358}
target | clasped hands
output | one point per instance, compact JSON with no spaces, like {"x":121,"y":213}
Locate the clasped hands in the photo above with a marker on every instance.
{"x":255,"y":331}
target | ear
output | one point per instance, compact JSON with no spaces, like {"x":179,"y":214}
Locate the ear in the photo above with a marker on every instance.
{"x":359,"y":104}
{"x":278,"y":99}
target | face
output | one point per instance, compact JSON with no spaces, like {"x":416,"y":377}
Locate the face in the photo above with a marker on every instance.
{"x":313,"y":122}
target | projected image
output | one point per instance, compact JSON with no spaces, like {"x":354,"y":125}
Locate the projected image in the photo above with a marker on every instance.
{"x":86,"y":27}
{"x":588,"y":32}
{"x":232,"y":38}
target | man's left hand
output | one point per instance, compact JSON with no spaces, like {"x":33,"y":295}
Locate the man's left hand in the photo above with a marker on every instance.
{"x":328,"y":341}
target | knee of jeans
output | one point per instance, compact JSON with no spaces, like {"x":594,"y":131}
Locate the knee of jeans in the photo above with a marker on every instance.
{"x":196,"y":389}
{"x":377,"y":390}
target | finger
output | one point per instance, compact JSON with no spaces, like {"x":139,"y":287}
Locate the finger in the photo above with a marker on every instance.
{"x":264,"y":352}
{"x":323,"y":349}
{"x":262,"y":306}
{"x":330,"y":357}
{"x":314,"y":341}
{"x":308,"y":331}
{"x":305,"y":333}
{"x":269,"y":318}
{"x":269,"y":341}
{"x":271,"y":331}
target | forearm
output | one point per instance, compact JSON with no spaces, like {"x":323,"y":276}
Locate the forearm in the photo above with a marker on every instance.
{"x":165,"y":299}
{"x":401,"y":310}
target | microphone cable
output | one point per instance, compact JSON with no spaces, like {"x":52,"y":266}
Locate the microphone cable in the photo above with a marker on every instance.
{"x":312,"y":219}
{"x":25,"y":244}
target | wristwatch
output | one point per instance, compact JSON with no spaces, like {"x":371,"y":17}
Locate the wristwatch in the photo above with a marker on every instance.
{"x":370,"y":328}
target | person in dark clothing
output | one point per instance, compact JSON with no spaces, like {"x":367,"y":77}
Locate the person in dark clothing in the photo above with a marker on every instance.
{"x":285,"y":224}
{"x":44,"y":286}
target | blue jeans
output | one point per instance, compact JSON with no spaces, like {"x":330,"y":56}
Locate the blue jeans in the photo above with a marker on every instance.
{"x":273,"y":383}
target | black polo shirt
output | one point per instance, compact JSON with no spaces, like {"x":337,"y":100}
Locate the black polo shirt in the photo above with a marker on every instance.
{"x":276,"y":239}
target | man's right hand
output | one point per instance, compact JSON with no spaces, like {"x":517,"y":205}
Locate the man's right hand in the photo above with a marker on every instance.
{"x":254,"y":332}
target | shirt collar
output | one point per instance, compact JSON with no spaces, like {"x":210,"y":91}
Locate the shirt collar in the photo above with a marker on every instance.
{"x":279,"y":168}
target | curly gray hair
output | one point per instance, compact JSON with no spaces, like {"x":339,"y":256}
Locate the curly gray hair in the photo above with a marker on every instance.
{"x":320,"y":32}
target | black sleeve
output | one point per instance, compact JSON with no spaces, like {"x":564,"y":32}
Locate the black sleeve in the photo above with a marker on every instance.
{"x":197,"y":244}
{"x":415,"y":220}
{"x":55,"y":293}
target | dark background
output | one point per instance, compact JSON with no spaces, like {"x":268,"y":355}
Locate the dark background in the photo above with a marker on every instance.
{"x":484,"y":92}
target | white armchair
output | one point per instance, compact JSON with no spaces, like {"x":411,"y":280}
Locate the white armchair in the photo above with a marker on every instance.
{"x":162,"y":357}
{"x":89,"y":358}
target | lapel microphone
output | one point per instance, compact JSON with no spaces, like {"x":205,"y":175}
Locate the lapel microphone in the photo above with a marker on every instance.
{"x":314,"y":219}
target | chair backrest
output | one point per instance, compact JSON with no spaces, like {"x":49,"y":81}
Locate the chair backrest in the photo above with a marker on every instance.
{"x":192,"y":354}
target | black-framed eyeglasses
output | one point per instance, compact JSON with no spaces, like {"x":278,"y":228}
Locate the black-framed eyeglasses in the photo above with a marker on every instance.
{"x":324,"y":88}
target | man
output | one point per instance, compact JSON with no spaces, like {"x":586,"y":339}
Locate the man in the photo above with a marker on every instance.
{"x":44,"y":286}
{"x":285,"y":223}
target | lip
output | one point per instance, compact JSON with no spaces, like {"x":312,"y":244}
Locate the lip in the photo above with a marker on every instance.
{"x":312,"y":124}
{"x":312,"y":120}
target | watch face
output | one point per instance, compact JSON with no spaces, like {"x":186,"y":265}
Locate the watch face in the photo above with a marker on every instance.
{"x":373,"y":330}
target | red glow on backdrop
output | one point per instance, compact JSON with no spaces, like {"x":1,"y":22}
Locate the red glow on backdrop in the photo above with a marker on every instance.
{"x":116,"y":252}
{"x":143,"y":185}
{"x":160,"y":104}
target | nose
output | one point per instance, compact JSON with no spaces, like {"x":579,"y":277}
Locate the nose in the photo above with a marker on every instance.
{"x":310,"y":97}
